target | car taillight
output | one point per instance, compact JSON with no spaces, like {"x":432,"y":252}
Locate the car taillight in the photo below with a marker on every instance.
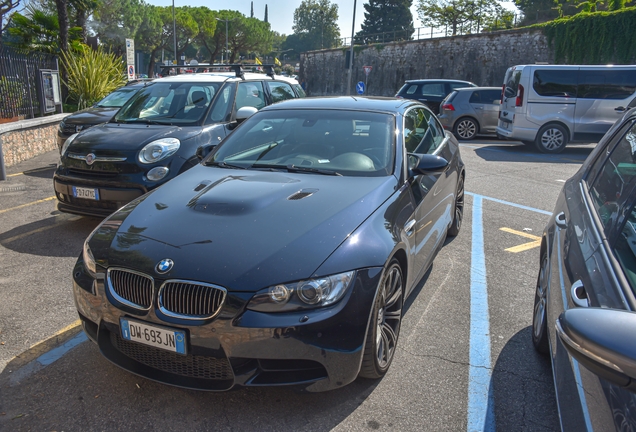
{"x":503,"y":90}
{"x":448,"y":107}
{"x":519,"y":101}
{"x":399,"y":97}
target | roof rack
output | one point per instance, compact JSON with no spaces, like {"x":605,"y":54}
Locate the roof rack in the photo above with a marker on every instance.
{"x":237,"y":68}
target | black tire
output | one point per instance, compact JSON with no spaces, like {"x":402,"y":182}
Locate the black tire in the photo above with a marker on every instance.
{"x":466,"y":128}
{"x":458,"y":215}
{"x":539,"y":315}
{"x":552,"y":138}
{"x":384,"y":325}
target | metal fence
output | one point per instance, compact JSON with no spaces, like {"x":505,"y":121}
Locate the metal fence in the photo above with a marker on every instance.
{"x":18,"y":81}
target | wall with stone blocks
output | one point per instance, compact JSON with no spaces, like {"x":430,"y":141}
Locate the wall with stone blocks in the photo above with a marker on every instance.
{"x":481,"y":58}
{"x":25,"y":139}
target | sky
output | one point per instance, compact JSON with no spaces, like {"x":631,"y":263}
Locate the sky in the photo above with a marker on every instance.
{"x":281,"y":12}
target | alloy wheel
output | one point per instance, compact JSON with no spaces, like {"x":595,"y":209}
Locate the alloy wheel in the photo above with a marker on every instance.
{"x":539,"y":318}
{"x":389,"y":317}
{"x":466,"y":129}
{"x":458,"y":217}
{"x":552,"y":139}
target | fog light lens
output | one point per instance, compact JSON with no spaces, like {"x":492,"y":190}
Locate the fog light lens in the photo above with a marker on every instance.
{"x":157,"y":173}
{"x":279,"y":293}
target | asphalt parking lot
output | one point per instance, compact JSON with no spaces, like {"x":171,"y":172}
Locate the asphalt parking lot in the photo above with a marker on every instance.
{"x":465,"y":359}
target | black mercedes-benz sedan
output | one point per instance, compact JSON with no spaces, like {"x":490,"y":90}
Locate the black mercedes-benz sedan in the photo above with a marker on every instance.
{"x":285,"y":256}
{"x":585,"y":299}
{"x":155,"y":136}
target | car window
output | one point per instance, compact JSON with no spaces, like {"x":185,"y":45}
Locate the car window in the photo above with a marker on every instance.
{"x":492,"y":97}
{"x":422,"y":134}
{"x":610,"y":189}
{"x":433,"y":89}
{"x":250,"y":93}
{"x":606,"y":84}
{"x":624,"y":248}
{"x":118,"y":98}
{"x":178,"y":103}
{"x":299,"y":90}
{"x":280,"y":91}
{"x":350,"y":143}
{"x":555,"y":83}
{"x":475,"y":97}
{"x":411,"y":89}
{"x":511,"y":81}
{"x":221,"y":111}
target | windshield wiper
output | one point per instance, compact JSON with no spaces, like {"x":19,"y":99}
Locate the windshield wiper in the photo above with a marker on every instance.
{"x":225,"y":165}
{"x":271,"y":167}
{"x":147,"y":121}
{"x":295,"y":168}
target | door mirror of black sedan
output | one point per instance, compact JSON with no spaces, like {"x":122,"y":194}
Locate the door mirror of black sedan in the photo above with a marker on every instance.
{"x":204,"y":150}
{"x":426,"y":164}
{"x":602,"y":340}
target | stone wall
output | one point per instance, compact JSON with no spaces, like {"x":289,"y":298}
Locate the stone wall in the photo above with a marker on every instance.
{"x":481,"y":58}
{"x":25,"y":139}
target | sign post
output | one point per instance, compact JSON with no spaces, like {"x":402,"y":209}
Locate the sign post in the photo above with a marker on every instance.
{"x":367,"y":71}
{"x":130,"y":58}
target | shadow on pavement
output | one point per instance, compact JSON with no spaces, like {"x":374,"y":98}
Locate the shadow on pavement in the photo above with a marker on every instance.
{"x":44,"y":172}
{"x":522,"y":387}
{"x":60,"y":236}
{"x":522,"y":153}
{"x":83,"y":391}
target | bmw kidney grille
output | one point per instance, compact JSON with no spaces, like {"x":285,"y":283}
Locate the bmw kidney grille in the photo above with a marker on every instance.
{"x":190,"y":300}
{"x":131,"y":288}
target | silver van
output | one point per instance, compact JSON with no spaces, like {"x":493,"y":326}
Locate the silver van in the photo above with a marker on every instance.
{"x":551,"y":105}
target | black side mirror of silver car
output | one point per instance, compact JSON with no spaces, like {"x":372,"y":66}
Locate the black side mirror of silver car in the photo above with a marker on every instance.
{"x":426,"y":164}
{"x":603,"y":340}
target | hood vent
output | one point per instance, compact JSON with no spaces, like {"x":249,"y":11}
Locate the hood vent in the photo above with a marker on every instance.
{"x":303,"y":193}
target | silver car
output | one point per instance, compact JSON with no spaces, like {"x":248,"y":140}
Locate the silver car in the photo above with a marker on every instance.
{"x":471,"y":111}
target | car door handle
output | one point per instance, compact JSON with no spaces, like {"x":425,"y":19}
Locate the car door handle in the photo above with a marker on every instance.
{"x":560,"y":221}
{"x":479,"y":107}
{"x":409,"y":227}
{"x":579,"y":295}
{"x":620,"y":109}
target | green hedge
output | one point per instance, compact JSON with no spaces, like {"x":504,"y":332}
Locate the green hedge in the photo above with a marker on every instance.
{"x":594,"y":38}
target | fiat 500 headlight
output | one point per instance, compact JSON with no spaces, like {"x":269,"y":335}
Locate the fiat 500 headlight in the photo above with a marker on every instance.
{"x":67,"y":144}
{"x":159,"y":150}
{"x":308,"y":294}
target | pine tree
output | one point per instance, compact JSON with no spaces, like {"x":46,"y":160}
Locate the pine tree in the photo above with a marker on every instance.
{"x":252,"y":11}
{"x":386,"y":21}
{"x":266,"y":14}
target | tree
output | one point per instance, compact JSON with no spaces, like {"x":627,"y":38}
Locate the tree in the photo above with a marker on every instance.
{"x":206,"y":19}
{"x":115,"y":20}
{"x":6,"y":6}
{"x":386,"y":21}
{"x":315,"y":25}
{"x":249,"y":35}
{"x":62,"y":17}
{"x":467,"y":15}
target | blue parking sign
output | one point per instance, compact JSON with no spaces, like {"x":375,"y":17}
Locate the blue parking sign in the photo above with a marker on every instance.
{"x":360,"y":87}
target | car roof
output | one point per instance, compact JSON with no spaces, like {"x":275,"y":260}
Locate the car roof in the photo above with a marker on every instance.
{"x":418,"y":81}
{"x":464,"y":89}
{"x":224,"y":76}
{"x":361,"y":103}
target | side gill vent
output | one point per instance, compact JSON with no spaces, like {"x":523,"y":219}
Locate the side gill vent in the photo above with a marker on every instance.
{"x":303,"y":193}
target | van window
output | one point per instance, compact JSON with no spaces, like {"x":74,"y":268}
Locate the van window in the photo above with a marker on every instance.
{"x":606,"y":84}
{"x":555,"y":82}
{"x":511,"y":80}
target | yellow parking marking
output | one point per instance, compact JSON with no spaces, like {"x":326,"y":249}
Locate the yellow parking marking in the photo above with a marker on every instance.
{"x":536,"y":241}
{"x":27,"y":204}
{"x":38,"y":230}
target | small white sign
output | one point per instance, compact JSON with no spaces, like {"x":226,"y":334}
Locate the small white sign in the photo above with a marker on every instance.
{"x":130,"y":51}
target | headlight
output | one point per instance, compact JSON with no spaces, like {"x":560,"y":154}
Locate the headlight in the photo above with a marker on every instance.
{"x":89,"y":260}
{"x":158,"y":150}
{"x":67,"y":144}
{"x":309,"y":294}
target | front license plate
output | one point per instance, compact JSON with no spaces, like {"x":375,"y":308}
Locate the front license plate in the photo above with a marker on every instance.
{"x":86,"y":193}
{"x":159,"y":337}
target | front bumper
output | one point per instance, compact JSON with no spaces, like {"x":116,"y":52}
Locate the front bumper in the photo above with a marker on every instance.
{"x":317,"y":349}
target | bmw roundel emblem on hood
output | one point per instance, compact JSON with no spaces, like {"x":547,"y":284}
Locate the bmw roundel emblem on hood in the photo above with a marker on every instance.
{"x":164,"y":265}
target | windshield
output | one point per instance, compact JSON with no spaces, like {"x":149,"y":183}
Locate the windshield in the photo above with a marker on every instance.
{"x":331,"y":142}
{"x":118,"y":98}
{"x":176,"y":103}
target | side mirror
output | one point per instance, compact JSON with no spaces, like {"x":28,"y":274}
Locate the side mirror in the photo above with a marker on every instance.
{"x":204,"y":150}
{"x":426,"y":164}
{"x":245,"y":113}
{"x":602,"y":340}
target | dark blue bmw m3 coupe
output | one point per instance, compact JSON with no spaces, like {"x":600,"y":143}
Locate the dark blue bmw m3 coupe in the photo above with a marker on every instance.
{"x":285,"y":256}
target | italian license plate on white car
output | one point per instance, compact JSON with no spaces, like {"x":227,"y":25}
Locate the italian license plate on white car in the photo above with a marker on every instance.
{"x":159,"y":337}
{"x":86,"y":193}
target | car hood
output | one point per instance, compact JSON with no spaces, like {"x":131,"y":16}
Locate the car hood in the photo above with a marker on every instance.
{"x":92,"y":116}
{"x":243,"y":230}
{"x":112,"y":138}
